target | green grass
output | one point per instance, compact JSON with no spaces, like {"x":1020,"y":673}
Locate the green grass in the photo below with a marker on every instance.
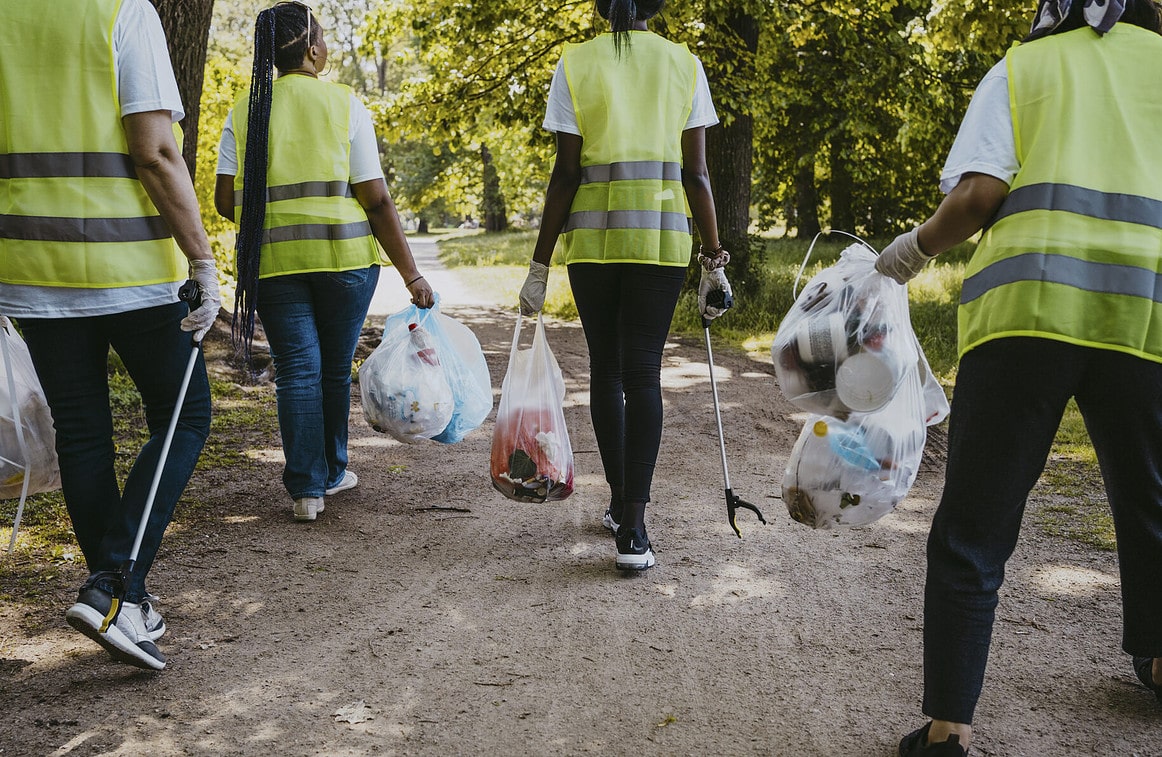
{"x":243,"y":419}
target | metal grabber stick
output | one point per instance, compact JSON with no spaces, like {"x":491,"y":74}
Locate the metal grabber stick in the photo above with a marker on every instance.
{"x":191,"y":293}
{"x":721,"y":299}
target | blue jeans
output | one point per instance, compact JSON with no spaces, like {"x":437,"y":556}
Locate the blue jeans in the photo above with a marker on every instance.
{"x":71,"y":356}
{"x":625,"y":310}
{"x":312,"y":322}
{"x":1009,"y":398}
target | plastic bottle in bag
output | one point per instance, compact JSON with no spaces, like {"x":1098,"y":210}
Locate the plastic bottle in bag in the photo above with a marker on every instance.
{"x":422,"y":341}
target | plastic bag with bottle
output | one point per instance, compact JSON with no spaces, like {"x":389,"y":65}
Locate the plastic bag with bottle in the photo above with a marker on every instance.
{"x":854,"y":470}
{"x":532,"y":459}
{"x":427,"y":379}
{"x":846,"y":345}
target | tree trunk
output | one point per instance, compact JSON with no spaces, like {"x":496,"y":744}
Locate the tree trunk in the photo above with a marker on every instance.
{"x":187,"y":30}
{"x":495,"y":213}
{"x":806,"y":199}
{"x":842,"y":213}
{"x":730,"y":147}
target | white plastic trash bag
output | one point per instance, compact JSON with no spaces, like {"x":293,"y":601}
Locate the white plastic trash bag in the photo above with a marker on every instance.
{"x":852,"y":471}
{"x":27,"y":438}
{"x":532,"y":459}
{"x":846,"y":344}
{"x":404,"y":388}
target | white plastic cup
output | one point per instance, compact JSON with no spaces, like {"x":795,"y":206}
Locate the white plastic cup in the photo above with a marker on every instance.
{"x":867,"y":381}
{"x":822,"y":340}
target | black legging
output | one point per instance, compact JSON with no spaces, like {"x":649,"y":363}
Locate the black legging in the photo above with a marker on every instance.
{"x":626,"y":309}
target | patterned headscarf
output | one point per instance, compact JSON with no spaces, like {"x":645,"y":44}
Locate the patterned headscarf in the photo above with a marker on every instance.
{"x":1099,"y":14}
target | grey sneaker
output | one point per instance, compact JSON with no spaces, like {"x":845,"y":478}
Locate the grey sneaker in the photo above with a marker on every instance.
{"x":306,"y":508}
{"x":125,"y":638}
{"x":152,"y":621}
{"x":349,"y":481}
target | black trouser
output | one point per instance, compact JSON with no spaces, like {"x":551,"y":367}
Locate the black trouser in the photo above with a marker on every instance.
{"x":626,"y":309}
{"x":1009,"y":398}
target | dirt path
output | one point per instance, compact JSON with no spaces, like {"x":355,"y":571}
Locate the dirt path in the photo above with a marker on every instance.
{"x":458,"y":622}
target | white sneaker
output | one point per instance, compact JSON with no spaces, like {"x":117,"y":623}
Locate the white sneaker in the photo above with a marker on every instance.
{"x":349,"y":481}
{"x":126,"y":639}
{"x":306,"y":508}
{"x":609,"y":522}
{"x":152,"y":622}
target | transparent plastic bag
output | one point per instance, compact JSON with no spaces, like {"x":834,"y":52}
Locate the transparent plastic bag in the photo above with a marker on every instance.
{"x":404,"y":386}
{"x":846,"y":344}
{"x":532,"y":460}
{"x":467,"y":373}
{"x":855,"y":470}
{"x":28,"y":446}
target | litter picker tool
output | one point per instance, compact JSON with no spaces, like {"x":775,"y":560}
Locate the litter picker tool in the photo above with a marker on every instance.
{"x":189,"y":292}
{"x":720,"y":299}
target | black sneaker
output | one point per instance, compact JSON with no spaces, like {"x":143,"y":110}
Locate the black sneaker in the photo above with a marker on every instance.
{"x":1144,"y":667}
{"x":125,"y":638}
{"x":915,"y":744}
{"x":633,"y":549}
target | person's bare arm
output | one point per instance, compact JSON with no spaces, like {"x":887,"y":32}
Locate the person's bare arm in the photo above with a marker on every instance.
{"x":563,"y":184}
{"x":376,"y":201}
{"x":163,"y":173}
{"x":224,"y":196}
{"x":696,"y":181}
{"x":964,"y":211}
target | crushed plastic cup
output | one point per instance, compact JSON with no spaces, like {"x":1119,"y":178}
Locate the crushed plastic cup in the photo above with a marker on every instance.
{"x":868,"y":380}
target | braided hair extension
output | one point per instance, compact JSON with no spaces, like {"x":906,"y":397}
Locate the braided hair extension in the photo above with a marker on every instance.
{"x":280,"y":41}
{"x":621,"y":15}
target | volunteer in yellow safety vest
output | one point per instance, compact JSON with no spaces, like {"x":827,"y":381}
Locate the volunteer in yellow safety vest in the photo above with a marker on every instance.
{"x":1058,"y":157}
{"x":93,"y":195}
{"x":630,"y":110}
{"x":299,"y":170}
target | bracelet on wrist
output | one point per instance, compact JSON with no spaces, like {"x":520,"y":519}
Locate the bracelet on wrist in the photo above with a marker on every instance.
{"x":417,"y":278}
{"x":711,"y":253}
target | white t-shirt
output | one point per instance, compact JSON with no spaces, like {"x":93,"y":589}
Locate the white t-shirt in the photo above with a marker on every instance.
{"x":560,"y":116}
{"x":145,"y":83}
{"x":365,"y":164}
{"x":985,"y":142}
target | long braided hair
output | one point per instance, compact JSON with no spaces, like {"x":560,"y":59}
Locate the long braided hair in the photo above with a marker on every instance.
{"x":621,"y":15}
{"x":282,"y":36}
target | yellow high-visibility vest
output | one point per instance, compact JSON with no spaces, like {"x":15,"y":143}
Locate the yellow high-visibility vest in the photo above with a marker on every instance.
{"x":72,"y":210}
{"x":1075,"y":253}
{"x":313,"y":221}
{"x":631,"y":111}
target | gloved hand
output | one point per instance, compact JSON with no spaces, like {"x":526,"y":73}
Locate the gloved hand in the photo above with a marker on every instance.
{"x":205,"y":274}
{"x":902,"y":259}
{"x":532,"y":294}
{"x":711,"y":305}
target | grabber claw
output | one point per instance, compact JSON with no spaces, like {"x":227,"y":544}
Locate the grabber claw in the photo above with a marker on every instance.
{"x":733,"y":502}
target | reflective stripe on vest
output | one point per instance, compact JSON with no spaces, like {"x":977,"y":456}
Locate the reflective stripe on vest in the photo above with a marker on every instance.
{"x":313,"y":221}
{"x":630,"y":205}
{"x":1075,"y":251}
{"x":72,"y":210}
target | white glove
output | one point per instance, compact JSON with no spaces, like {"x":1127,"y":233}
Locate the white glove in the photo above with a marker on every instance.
{"x":532,"y":294}
{"x":205,"y":275}
{"x":713,"y":281}
{"x":902,"y":259}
